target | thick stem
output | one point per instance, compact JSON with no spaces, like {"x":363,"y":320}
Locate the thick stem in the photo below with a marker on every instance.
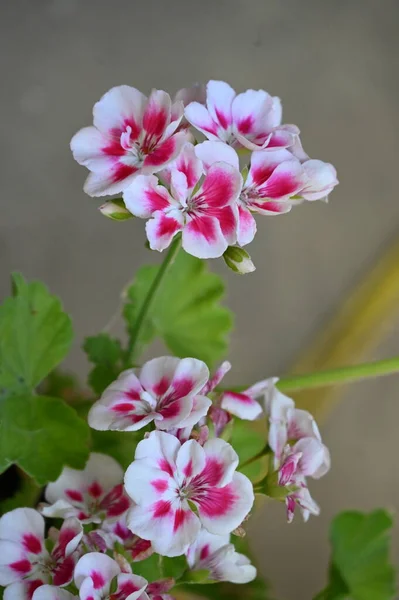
{"x":340,"y":375}
{"x":149,"y":299}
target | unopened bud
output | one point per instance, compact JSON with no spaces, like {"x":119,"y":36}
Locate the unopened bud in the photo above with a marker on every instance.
{"x":238,"y":260}
{"x":116,"y":210}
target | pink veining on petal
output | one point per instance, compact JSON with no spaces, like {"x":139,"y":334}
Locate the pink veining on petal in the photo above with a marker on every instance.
{"x":162,"y":153}
{"x":217,"y":501}
{"x":160,"y":485}
{"x":63,"y":572}
{"x":98,"y":579}
{"x":74,"y":495}
{"x":164,"y":465}
{"x":32,"y":543}
{"x":21,"y":566}
{"x":161,"y":387}
{"x":213,"y":471}
{"x":95,"y":490}
{"x":181,"y":516}
{"x":122,"y":171}
{"x":155,"y":200}
{"x":161,"y":509}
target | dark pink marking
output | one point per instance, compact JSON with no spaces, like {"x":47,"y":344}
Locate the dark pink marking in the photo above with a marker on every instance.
{"x":139,"y":548}
{"x":155,"y":200}
{"x":115,"y":502}
{"x":213,"y":471}
{"x":113,"y":148}
{"x":203,"y":227}
{"x":121,"y":171}
{"x":95,"y":490}
{"x":217,"y":501}
{"x":245,"y":125}
{"x":169,"y":408}
{"x":262,"y":174}
{"x":227,"y":220}
{"x":162,"y":386}
{"x":118,"y":508}
{"x":32,"y":543}
{"x":161,"y":509}
{"x":205,"y":551}
{"x":276,"y":207}
{"x":124,"y":590}
{"x":160,"y":485}
{"x":21,"y":566}
{"x":165,"y":466}
{"x":186,"y":167}
{"x":217,"y":188}
{"x":223,"y":119}
{"x":162,"y":153}
{"x":66,"y":535}
{"x":32,"y":586}
{"x":121,"y":531}
{"x":82,"y":516}
{"x":167,"y":226}
{"x":63,"y":572}
{"x":74,"y":495}
{"x":241,"y":397}
{"x":98,"y":579}
{"x":188,"y":469}
{"x":182,"y":387}
{"x":132,"y":394}
{"x":280,"y":184}
{"x":181,"y":516}
{"x":280,"y":140}
{"x":123,"y":407}
{"x":154,"y":120}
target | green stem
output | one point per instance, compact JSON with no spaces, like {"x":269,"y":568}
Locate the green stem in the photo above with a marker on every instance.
{"x":340,"y":375}
{"x":149,"y":299}
{"x":251,"y":460}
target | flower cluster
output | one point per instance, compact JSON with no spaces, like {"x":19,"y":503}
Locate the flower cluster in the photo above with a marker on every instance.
{"x":145,"y":148}
{"x":182,"y":495}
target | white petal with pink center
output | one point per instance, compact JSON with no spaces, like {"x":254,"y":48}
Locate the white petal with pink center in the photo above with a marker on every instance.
{"x":94,"y":574}
{"x":163,"y":391}
{"x":166,"y":478}
{"x":306,"y":458}
{"x":131,"y":134}
{"x":205,"y":211}
{"x":251,"y":119}
{"x":322,"y":178}
{"x":90,"y":495}
{"x":245,"y":405}
{"x":215,"y":554}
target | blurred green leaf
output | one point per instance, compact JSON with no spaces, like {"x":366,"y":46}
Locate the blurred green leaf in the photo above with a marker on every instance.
{"x":27,"y":495}
{"x":360,"y":564}
{"x":41,"y":435}
{"x":35,"y":335}
{"x":186,"y":313}
{"x":248,"y":441}
{"x":106,"y":354}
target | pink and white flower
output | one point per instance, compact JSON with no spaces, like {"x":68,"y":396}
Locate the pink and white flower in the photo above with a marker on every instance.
{"x":131,"y":134}
{"x":52,"y":592}
{"x":118,"y":531}
{"x":25,"y":563}
{"x":302,"y":498}
{"x":95,"y":573}
{"x":251,"y":119}
{"x":165,"y":391}
{"x":166,"y":479}
{"x":245,"y":405}
{"x":204,"y":211}
{"x":215,"y":554}
{"x":308,"y":457}
{"x":91,"y":495}
{"x":286,"y":423}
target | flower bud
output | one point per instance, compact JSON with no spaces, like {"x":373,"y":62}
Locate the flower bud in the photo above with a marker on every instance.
{"x":115,"y":210}
{"x":238,"y":260}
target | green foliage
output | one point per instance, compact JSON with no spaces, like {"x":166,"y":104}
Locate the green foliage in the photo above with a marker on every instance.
{"x":35,"y":335}
{"x":41,"y":435}
{"x":248,"y":441}
{"x":106,"y":354}
{"x":186,"y":312}
{"x":360,"y":567}
{"x":27,"y":494}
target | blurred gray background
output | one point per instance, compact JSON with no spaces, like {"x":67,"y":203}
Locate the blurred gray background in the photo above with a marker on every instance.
{"x":335,"y":66}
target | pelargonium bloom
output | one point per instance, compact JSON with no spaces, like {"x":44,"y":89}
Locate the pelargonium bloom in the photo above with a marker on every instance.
{"x":118,"y":531}
{"x":94,"y":574}
{"x":90,"y":495}
{"x":167,"y":478}
{"x":308,"y":457}
{"x":301,"y":497}
{"x":166,"y":391}
{"x":245,"y":404}
{"x":276,"y":182}
{"x":25,"y":563}
{"x":286,"y":423}
{"x":251,"y":119}
{"x":215,"y":554}
{"x":204,"y":211}
{"x":131,"y":134}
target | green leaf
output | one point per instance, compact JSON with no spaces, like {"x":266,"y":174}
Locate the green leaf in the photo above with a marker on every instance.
{"x":150,"y":568}
{"x":35,"y":335}
{"x":360,"y":569}
{"x":27,"y":494}
{"x":106,"y":354}
{"x":186,"y":312}
{"x":41,"y":435}
{"x":248,"y":441}
{"x":174,"y":567}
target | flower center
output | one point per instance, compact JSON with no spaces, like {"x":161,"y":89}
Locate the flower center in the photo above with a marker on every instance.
{"x":133,"y":148}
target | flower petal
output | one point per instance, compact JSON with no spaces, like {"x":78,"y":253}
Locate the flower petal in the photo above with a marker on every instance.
{"x":22,"y":590}
{"x":120,"y":107}
{"x":156,"y":115}
{"x":219,"y":99}
{"x":204,"y":546}
{"x":194,"y":93}
{"x":241,"y":405}
{"x":201,"y":405}
{"x":164,"y":152}
{"x":221,"y":186}
{"x":93,"y":149}
{"x":24,"y":526}
{"x":221,"y":510}
{"x":111,"y":180}
{"x":300,"y":424}
{"x":199,"y":117}
{"x":217,"y":377}
{"x":145,"y":483}
{"x":190,"y":460}
{"x":144,"y":196}
{"x":246,"y":227}
{"x":162,"y":228}
{"x":189,"y":164}
{"x":100,"y":568}
{"x":221,"y":462}
{"x":211,"y":152}
{"x":203,"y":237}
{"x":161,"y":449}
{"x":52,"y":592}
{"x":322,"y":179}
{"x":251,"y":111}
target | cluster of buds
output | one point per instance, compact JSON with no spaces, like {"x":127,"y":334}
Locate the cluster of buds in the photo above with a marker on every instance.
{"x":151,"y":151}
{"x":183,"y":494}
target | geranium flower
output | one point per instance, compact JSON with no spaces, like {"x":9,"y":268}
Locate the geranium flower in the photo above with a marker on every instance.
{"x":302,"y":498}
{"x":95,"y":573}
{"x":25,"y":563}
{"x":215,"y":554}
{"x":308,"y":457}
{"x":251,"y":119}
{"x":131,"y":134}
{"x":205,"y":212}
{"x":245,"y":405}
{"x":167,"y":479}
{"x":91,"y":495}
{"x":165,"y":391}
